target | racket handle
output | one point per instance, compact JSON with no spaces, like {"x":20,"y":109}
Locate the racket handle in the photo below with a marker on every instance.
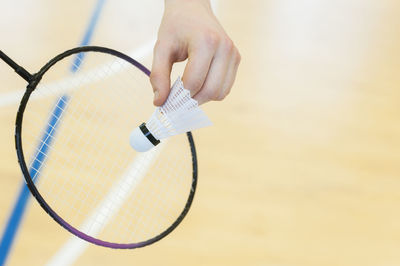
{"x":19,"y":69}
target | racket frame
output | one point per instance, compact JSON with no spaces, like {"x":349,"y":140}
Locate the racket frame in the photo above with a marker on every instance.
{"x":33,"y":82}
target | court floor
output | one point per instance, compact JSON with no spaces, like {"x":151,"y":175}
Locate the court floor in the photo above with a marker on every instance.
{"x":302,"y":165}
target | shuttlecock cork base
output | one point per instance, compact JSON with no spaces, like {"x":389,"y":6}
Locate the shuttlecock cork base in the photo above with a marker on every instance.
{"x":142,"y":140}
{"x":179,"y":114}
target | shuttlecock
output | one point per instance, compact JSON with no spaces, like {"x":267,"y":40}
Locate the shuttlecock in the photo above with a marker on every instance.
{"x":179,"y":114}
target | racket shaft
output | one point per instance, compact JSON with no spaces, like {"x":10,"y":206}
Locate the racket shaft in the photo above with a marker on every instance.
{"x":19,"y":69}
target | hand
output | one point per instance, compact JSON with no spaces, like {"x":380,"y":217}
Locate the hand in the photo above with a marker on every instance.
{"x":189,"y":30}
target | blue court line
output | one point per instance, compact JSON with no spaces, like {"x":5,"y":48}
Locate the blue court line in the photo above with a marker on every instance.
{"x":15,"y":218}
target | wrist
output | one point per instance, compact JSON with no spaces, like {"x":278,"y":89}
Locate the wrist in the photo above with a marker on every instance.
{"x":206,"y":2}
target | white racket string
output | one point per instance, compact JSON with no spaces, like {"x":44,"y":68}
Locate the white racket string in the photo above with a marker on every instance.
{"x":83,"y":175}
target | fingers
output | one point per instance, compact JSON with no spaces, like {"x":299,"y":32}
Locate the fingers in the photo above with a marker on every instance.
{"x":221,"y":74}
{"x":214,"y":80}
{"x":190,"y":30}
{"x":161,"y":71}
{"x":209,"y":73}
{"x":197,"y":68}
{"x":230,"y":76}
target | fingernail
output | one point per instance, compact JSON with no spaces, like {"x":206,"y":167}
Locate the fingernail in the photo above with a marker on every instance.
{"x":156,"y":95}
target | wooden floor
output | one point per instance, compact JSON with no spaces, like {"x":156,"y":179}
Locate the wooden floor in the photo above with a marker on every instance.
{"x":302,"y":166}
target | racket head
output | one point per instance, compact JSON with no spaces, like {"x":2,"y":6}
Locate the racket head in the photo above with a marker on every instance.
{"x":79,"y":52}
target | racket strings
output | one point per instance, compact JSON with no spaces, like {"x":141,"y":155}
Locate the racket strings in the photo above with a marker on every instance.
{"x":142,"y":222}
{"x":53,"y":127}
{"x":152,"y":205}
{"x":161,"y":207}
{"x":51,"y":136}
{"x":120,"y":188}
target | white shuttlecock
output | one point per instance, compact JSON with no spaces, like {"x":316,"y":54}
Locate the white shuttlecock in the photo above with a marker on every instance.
{"x":179,"y":114}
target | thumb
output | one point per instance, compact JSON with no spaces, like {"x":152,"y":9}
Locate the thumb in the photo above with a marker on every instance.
{"x":161,"y":71}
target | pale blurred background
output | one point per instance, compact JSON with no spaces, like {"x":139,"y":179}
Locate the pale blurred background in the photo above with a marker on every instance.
{"x":302,"y":166}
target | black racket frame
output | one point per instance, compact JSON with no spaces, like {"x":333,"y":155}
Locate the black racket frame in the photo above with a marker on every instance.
{"x":33,"y":80}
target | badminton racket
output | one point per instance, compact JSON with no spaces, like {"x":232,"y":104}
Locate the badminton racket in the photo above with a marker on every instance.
{"x":72,"y":142}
